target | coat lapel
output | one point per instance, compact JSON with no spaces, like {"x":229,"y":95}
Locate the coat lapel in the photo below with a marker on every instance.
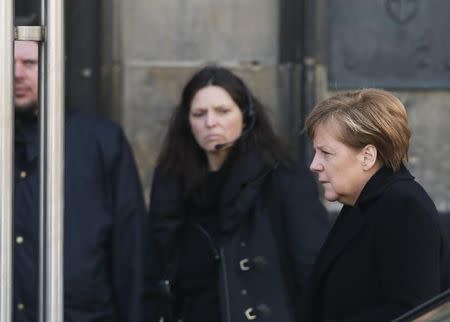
{"x":351,"y":220}
{"x":245,"y":170}
{"x":241,"y":189}
{"x":349,"y":223}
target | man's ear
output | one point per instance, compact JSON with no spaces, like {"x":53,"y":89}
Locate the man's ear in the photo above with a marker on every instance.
{"x":368,"y":157}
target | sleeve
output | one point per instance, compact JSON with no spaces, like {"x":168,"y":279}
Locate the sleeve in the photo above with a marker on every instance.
{"x":307,"y":222}
{"x":408,"y":252}
{"x":163,"y":207}
{"x":127,"y":236}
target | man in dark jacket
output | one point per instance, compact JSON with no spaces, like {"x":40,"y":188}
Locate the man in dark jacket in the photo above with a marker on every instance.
{"x":103,"y":216}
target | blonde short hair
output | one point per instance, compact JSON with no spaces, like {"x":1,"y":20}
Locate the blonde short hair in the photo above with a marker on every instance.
{"x":367,"y":116}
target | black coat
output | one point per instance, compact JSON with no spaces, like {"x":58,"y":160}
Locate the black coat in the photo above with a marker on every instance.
{"x":103,"y":219}
{"x":384,"y":256}
{"x":251,"y":191}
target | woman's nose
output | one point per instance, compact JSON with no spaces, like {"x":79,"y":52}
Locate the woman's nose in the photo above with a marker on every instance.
{"x":315,"y":165}
{"x":210,"y":120}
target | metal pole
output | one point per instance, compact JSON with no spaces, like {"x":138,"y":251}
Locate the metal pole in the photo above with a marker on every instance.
{"x":6,"y":148}
{"x":51,"y":306}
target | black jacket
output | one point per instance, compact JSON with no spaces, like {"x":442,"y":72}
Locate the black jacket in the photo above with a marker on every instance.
{"x":251,"y":191}
{"x":384,"y":256}
{"x":103,"y":216}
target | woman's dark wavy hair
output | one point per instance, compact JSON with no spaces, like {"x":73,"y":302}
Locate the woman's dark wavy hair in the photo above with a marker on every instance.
{"x":183,"y":157}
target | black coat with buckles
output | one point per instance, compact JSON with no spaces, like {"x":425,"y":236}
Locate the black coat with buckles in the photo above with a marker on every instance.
{"x":271,"y":225}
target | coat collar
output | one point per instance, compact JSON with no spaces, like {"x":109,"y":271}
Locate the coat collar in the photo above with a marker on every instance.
{"x":351,"y":220}
{"x":348,"y":225}
{"x":243,"y":171}
{"x":380,"y":181}
{"x":26,"y":133}
{"x":241,"y":188}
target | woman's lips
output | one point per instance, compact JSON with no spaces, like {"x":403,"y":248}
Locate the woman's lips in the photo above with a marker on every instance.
{"x":213,"y":137}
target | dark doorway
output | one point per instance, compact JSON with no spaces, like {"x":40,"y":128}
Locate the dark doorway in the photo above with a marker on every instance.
{"x":296,"y":59}
{"x":83,"y":50}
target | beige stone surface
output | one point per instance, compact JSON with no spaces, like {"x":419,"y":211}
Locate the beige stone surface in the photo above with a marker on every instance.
{"x":154,"y":46}
{"x":200,"y":30}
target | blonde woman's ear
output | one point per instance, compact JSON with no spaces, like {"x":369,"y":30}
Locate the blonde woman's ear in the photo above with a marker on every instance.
{"x":369,"y":157}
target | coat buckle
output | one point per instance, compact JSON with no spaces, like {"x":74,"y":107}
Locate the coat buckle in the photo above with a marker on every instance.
{"x":243,"y":264}
{"x":249,"y":314}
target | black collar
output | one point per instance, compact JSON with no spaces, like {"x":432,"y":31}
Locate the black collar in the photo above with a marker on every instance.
{"x":244,"y":171}
{"x":26,"y":133}
{"x":382,"y":179}
{"x":242,"y":187}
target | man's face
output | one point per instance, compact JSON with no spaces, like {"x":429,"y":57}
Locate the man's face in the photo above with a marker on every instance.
{"x":26,"y":54}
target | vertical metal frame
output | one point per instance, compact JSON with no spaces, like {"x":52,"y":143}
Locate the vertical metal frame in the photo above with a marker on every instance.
{"x":6,"y":148}
{"x":51,"y":160}
{"x":51,"y":303}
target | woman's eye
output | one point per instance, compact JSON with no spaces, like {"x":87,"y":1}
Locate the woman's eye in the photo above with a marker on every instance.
{"x":326,"y":153}
{"x":197,"y":114}
{"x":223,"y":110}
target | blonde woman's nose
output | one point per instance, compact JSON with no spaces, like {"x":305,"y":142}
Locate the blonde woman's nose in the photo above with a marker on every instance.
{"x":315,"y":165}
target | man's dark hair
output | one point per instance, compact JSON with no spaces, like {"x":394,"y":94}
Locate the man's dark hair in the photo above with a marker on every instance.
{"x":26,"y":12}
{"x":183,"y":157}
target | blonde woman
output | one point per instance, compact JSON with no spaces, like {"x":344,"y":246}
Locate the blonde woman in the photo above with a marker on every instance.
{"x":386,"y":252}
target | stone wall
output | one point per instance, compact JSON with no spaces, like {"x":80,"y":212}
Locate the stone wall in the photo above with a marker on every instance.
{"x":153,"y":47}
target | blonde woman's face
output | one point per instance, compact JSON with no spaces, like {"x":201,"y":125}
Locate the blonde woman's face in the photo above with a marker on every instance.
{"x":338,"y":166}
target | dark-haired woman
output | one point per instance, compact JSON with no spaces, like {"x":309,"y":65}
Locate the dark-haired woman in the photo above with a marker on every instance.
{"x":235,"y":226}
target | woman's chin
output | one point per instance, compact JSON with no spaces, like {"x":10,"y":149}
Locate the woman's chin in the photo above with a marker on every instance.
{"x":331,"y":196}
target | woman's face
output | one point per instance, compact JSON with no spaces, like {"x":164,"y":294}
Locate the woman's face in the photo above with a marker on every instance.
{"x":215,"y":119}
{"x":339,"y":167}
